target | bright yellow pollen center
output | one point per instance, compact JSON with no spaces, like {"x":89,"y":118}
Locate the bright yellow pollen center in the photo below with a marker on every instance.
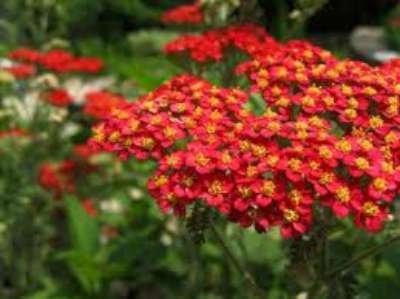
{"x":391,"y":137}
{"x":326,"y":178}
{"x":268,"y":188}
{"x":344,"y":146}
{"x":172,"y":160}
{"x":272,"y":160}
{"x":376,"y":122}
{"x":259,"y":150}
{"x":343,"y":194}
{"x":114,"y":137}
{"x":201,"y":159}
{"x":251,"y":171}
{"x":295,"y":197}
{"x":274,"y":126}
{"x":380,"y":184}
{"x":215,"y":188}
{"x":133,"y":125}
{"x":308,"y":101}
{"x":347,"y":90}
{"x":160,"y":180}
{"x":210,"y":128}
{"x":362,"y":163}
{"x":169,"y":132}
{"x":294,"y":164}
{"x":350,"y":113}
{"x":290,"y":215}
{"x":366,"y":144}
{"x":325,"y":152}
{"x":370,"y":209}
{"x":245,"y":192}
{"x":244,"y":145}
{"x":147,"y":143}
{"x":188,"y":181}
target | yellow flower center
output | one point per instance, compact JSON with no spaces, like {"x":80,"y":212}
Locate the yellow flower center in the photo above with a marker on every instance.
{"x":272,"y":160}
{"x":268,"y":188}
{"x":370,"y":91}
{"x":326,"y":178}
{"x":294,"y":164}
{"x":391,"y":137}
{"x":290,"y":215}
{"x":172,"y":160}
{"x":215,"y":188}
{"x":295,"y":196}
{"x":376,"y":122}
{"x":350,"y":113}
{"x":308,"y":101}
{"x":325,"y":152}
{"x":347,"y":90}
{"x":188,"y":181}
{"x":251,"y":171}
{"x":245,"y":192}
{"x":362,"y":163}
{"x":344,"y":146}
{"x":380,"y":184}
{"x":366,"y":144}
{"x":343,"y":194}
{"x":160,"y":180}
{"x":258,"y":150}
{"x":274,"y":126}
{"x":133,"y":125}
{"x":201,"y":159}
{"x":370,"y":209}
{"x":169,"y":132}
{"x":283,"y":102}
{"x":114,"y":137}
{"x":147,"y":143}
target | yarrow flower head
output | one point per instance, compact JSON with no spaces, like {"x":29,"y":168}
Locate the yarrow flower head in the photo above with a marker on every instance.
{"x":184,"y":14}
{"x":329,"y":137}
{"x":212,"y":45}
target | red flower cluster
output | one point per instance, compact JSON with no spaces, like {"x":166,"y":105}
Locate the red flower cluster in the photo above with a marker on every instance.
{"x":212,"y":45}
{"x":21,"y":71}
{"x":59,"y":97}
{"x":99,"y":104}
{"x":14,"y":133}
{"x":59,"y":61}
{"x":184,"y":14}
{"x":329,"y":136}
{"x":62,"y":177}
{"x":58,"y":177}
{"x":152,"y":125}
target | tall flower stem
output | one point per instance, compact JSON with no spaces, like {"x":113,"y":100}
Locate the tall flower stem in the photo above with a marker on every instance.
{"x":358,"y":258}
{"x":237,"y":265}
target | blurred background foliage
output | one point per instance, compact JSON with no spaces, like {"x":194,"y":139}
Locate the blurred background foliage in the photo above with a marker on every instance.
{"x":154,"y":256}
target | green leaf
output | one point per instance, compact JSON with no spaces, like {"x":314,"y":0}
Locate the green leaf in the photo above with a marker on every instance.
{"x":83,"y":229}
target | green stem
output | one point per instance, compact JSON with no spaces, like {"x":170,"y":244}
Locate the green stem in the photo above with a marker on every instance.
{"x":235,"y":262}
{"x":358,"y":258}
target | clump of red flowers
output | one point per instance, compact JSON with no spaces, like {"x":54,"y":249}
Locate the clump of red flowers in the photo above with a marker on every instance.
{"x":184,"y":14}
{"x":58,"y":178}
{"x":99,"y":104}
{"x":212,"y":45}
{"x":329,"y":137}
{"x":59,"y":61}
{"x":59,"y":97}
{"x":16,"y":132}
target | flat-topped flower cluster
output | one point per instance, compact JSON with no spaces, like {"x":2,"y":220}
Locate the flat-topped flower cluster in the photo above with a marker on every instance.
{"x":329,"y":135}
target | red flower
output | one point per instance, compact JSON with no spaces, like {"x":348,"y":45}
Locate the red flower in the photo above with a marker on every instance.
{"x":21,"y":71}
{"x":59,"y":97}
{"x":89,"y":207}
{"x":25,"y":55}
{"x":184,"y":14}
